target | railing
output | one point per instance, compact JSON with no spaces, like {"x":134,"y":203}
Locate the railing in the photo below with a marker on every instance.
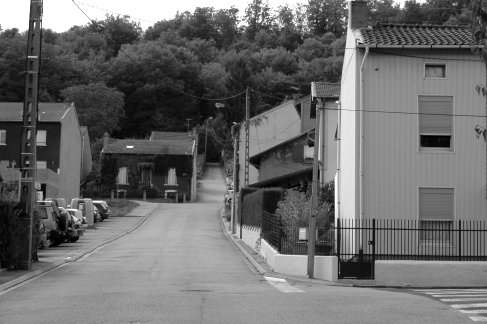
{"x":371,"y":239}
{"x":382,"y":239}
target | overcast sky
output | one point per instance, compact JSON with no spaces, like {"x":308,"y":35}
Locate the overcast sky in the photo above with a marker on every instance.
{"x":60,"y":15}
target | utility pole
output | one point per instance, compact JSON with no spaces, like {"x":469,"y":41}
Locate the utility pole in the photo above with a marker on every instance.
{"x":314,"y":197}
{"x":28,"y":158}
{"x":236,"y":135}
{"x":247,"y":117}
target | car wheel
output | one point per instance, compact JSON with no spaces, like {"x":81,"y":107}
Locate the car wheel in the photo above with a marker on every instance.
{"x":74,"y":239}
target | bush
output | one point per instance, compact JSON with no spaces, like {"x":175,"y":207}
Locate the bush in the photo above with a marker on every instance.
{"x":14,"y":228}
{"x":294,"y":211}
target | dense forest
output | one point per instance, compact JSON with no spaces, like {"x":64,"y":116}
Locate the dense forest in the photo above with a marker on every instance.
{"x":127,"y":81}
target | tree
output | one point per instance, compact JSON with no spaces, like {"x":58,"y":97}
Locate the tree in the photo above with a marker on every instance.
{"x":326,"y":16}
{"x":117,"y":32}
{"x":258,"y":17}
{"x":99,"y":107}
{"x":412,"y":13}
{"x":12,"y":65}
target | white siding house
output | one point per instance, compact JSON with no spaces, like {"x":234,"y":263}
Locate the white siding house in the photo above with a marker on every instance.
{"x":409,"y":108}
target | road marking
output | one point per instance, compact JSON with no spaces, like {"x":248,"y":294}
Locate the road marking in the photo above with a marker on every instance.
{"x":478,"y":318}
{"x":468,"y":305}
{"x":455,"y":300}
{"x":463,"y":296}
{"x":282,"y":285}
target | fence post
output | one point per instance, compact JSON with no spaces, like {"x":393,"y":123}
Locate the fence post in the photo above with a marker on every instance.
{"x":280,"y":233}
{"x":373,"y":239}
{"x":459,"y":240}
{"x":338,"y":236}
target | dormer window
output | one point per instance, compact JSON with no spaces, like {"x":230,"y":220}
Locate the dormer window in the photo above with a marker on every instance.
{"x":435,"y":71}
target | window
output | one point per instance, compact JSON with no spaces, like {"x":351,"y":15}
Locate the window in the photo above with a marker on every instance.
{"x":3,"y":137}
{"x":171,"y":177}
{"x":40,"y":138}
{"x":435,"y":71}
{"x":41,"y":165}
{"x":435,"y":122}
{"x":435,"y":214}
{"x":122,"y":176}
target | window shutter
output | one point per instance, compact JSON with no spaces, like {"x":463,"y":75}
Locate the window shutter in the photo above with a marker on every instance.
{"x":436,"y":203}
{"x":435,"y":115}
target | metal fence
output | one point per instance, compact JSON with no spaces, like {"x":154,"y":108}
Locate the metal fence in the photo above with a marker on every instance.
{"x":382,"y":239}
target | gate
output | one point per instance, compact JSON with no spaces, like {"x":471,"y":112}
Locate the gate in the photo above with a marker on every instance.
{"x":355,"y":248}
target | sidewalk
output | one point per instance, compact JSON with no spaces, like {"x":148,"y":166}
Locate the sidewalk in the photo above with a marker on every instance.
{"x":105,"y":232}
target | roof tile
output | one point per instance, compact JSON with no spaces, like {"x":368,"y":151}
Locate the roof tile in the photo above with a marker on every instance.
{"x":416,"y":35}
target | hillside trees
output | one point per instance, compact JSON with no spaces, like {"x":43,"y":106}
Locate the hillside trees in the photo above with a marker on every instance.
{"x":178,"y":68}
{"x":99,"y":107}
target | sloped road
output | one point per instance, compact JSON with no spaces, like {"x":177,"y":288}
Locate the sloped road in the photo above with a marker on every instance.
{"x":178,"y":267}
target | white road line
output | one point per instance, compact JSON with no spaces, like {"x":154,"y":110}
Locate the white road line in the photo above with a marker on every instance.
{"x":473,"y":311}
{"x":478,"y":318}
{"x":468,"y":305}
{"x":460,"y":295}
{"x":282,"y":285}
{"x":450,"y":291}
{"x":452,"y":300}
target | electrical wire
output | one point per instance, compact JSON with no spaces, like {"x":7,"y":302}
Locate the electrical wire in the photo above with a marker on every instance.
{"x":113,"y":12}
{"x":406,"y":113}
{"x":167,"y":84}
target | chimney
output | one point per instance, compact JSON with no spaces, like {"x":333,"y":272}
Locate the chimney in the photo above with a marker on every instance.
{"x":357,"y":14}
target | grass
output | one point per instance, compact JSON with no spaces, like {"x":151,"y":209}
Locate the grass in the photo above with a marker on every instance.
{"x":121,"y":207}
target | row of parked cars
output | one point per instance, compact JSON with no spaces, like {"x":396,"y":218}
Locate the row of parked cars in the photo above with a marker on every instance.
{"x":61,"y":222}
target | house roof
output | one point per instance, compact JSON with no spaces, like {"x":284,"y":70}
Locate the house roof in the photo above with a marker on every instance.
{"x":48,"y":112}
{"x":325,"y":90}
{"x":156,"y":136}
{"x":137,"y":146}
{"x":415,"y":36}
{"x":255,"y":159}
{"x":276,"y":180}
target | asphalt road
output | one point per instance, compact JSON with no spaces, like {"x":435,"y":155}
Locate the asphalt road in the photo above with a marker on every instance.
{"x":178,"y":267}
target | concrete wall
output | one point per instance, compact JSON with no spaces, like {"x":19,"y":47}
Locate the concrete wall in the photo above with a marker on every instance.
{"x":430,"y":273}
{"x":251,"y":236}
{"x":394,"y":164}
{"x":326,"y":267}
{"x":70,"y":156}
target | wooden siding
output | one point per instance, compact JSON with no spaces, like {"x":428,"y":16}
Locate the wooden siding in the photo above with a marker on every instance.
{"x":70,"y":156}
{"x":278,"y":125}
{"x":394,"y":166}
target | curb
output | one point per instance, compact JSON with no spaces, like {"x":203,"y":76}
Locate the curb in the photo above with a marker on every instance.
{"x":76,"y":257}
{"x":260,"y":270}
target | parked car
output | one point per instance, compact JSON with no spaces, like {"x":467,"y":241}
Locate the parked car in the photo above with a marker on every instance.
{"x":96,"y":215}
{"x":78,"y":214}
{"x":103,"y":208}
{"x":86,"y":207}
{"x":74,"y":230}
{"x":55,"y":223}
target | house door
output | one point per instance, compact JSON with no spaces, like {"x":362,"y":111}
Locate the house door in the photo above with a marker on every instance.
{"x":356,"y":249}
{"x":146,"y":174}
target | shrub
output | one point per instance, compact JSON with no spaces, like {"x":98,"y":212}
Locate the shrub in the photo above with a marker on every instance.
{"x":294,"y":211}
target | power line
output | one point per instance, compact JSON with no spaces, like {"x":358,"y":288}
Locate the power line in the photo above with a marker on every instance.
{"x":406,"y":113}
{"x":168,"y":85}
{"x":113,"y":12}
